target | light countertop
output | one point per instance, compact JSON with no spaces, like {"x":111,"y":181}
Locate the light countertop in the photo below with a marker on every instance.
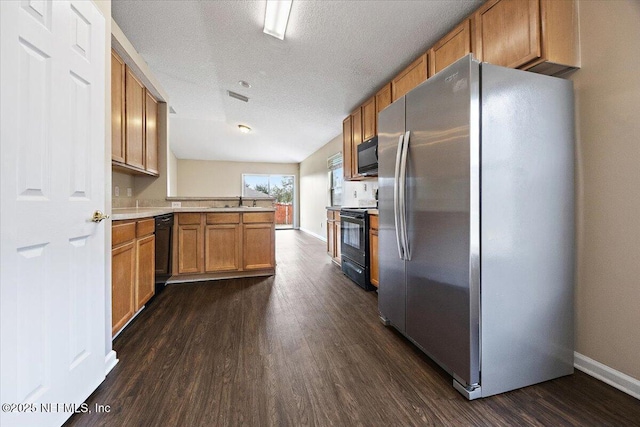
{"x":118,"y":214}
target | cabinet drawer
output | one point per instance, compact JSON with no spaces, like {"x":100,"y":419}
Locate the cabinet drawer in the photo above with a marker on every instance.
{"x":223,"y":218}
{"x":373,"y":222}
{"x":145,"y":227}
{"x":122,"y":231}
{"x":188,"y":218}
{"x":257,"y":217}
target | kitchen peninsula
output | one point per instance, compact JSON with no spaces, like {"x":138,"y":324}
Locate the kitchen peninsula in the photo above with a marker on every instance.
{"x":207,"y":243}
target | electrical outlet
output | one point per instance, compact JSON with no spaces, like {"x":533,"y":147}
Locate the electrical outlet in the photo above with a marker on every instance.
{"x":129,"y":192}
{"x":355,"y":194}
{"x":365,"y":187}
{"x":176,"y":204}
{"x":116,"y":191}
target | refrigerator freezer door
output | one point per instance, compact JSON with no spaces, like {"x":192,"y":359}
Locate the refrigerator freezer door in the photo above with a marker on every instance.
{"x":392,"y":289}
{"x":442,"y":275}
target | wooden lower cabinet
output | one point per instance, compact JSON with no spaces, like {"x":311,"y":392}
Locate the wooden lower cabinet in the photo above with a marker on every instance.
{"x":190,"y":243}
{"x":123,"y":278}
{"x":145,"y":263}
{"x":374,"y":261}
{"x":132,"y":269}
{"x":224,"y":244}
{"x":333,"y":236}
{"x":338,"y":233}
{"x":222,"y":247}
{"x":258,"y":244}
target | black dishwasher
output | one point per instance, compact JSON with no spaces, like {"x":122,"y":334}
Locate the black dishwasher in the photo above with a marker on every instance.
{"x":164,"y":234}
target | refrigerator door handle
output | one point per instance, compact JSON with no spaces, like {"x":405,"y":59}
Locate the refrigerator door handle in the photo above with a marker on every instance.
{"x":403,"y":197}
{"x":396,"y":197}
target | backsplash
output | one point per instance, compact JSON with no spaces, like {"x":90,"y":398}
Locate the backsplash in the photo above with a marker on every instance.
{"x":190,"y":202}
{"x":359,"y":193}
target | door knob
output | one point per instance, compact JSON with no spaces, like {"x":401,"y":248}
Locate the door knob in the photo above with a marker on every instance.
{"x":98,"y":216}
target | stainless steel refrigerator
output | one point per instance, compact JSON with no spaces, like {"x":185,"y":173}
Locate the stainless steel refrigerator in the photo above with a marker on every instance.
{"x":476,"y":232}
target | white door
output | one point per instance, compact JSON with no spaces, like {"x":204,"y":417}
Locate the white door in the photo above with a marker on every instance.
{"x":52,"y":257}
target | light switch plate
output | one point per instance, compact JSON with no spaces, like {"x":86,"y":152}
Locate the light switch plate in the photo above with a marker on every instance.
{"x":176,"y":204}
{"x":116,"y":191}
{"x":129,"y":192}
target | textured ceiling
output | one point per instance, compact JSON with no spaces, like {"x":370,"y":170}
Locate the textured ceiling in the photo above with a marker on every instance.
{"x":334,"y":56}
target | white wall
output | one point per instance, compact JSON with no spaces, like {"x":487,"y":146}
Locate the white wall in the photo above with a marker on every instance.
{"x":313,"y":188}
{"x":607,"y":89}
{"x":209,"y":178}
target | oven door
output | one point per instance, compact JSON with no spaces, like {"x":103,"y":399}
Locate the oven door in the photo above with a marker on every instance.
{"x":353,"y":245}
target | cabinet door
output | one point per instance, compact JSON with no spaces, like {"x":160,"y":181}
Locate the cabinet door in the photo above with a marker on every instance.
{"x":222,"y":247}
{"x":347,"y":148}
{"x":451,"y":47}
{"x":409,"y":78}
{"x":135,"y":101}
{"x":369,"y":115}
{"x":373,"y":252}
{"x":190,"y":247}
{"x":151,"y":134}
{"x":508,"y":32}
{"x":356,"y":139}
{"x":117,"y":108}
{"x":145,"y":277}
{"x":383,"y":99}
{"x":123,"y":277}
{"x":259,"y":240}
{"x":338,"y":243}
{"x":331,"y":243}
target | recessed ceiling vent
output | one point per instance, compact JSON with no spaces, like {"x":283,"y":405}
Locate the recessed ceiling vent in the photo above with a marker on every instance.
{"x":238,"y":96}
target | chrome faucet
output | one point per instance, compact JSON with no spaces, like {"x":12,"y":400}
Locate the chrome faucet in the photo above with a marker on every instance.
{"x":240,"y":202}
{"x":254,"y":203}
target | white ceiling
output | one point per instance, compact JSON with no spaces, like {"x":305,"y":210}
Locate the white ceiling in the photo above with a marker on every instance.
{"x":335,"y":55}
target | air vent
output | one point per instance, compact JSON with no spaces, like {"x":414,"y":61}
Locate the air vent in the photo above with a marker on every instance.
{"x":172,"y":111}
{"x":238,"y":96}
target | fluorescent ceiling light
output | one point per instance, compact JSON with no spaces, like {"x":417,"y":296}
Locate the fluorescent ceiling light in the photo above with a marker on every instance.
{"x":276,"y":17}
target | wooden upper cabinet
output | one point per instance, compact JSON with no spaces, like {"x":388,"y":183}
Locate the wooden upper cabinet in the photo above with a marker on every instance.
{"x":383,"y":100}
{"x":151,"y":134}
{"x":535,"y":35}
{"x":356,"y":139}
{"x":346,"y":148}
{"x":560,"y":38}
{"x":508,"y":32}
{"x":409,"y":78}
{"x":117,"y":108}
{"x":451,"y":47}
{"x":135,"y":103}
{"x":369,"y":119}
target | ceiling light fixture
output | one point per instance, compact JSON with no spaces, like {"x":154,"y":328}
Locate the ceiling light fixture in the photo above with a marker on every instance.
{"x":276,"y":17}
{"x":244,"y":128}
{"x":244,"y":84}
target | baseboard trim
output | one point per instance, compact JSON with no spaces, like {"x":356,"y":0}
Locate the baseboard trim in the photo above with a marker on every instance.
{"x":110,"y":361}
{"x":311,"y":233}
{"x":604,"y":373}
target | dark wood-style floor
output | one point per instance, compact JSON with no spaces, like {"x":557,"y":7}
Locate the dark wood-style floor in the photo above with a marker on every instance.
{"x":306,"y":348}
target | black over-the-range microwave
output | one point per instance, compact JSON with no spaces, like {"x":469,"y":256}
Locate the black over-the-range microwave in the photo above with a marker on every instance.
{"x":368,"y":157}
